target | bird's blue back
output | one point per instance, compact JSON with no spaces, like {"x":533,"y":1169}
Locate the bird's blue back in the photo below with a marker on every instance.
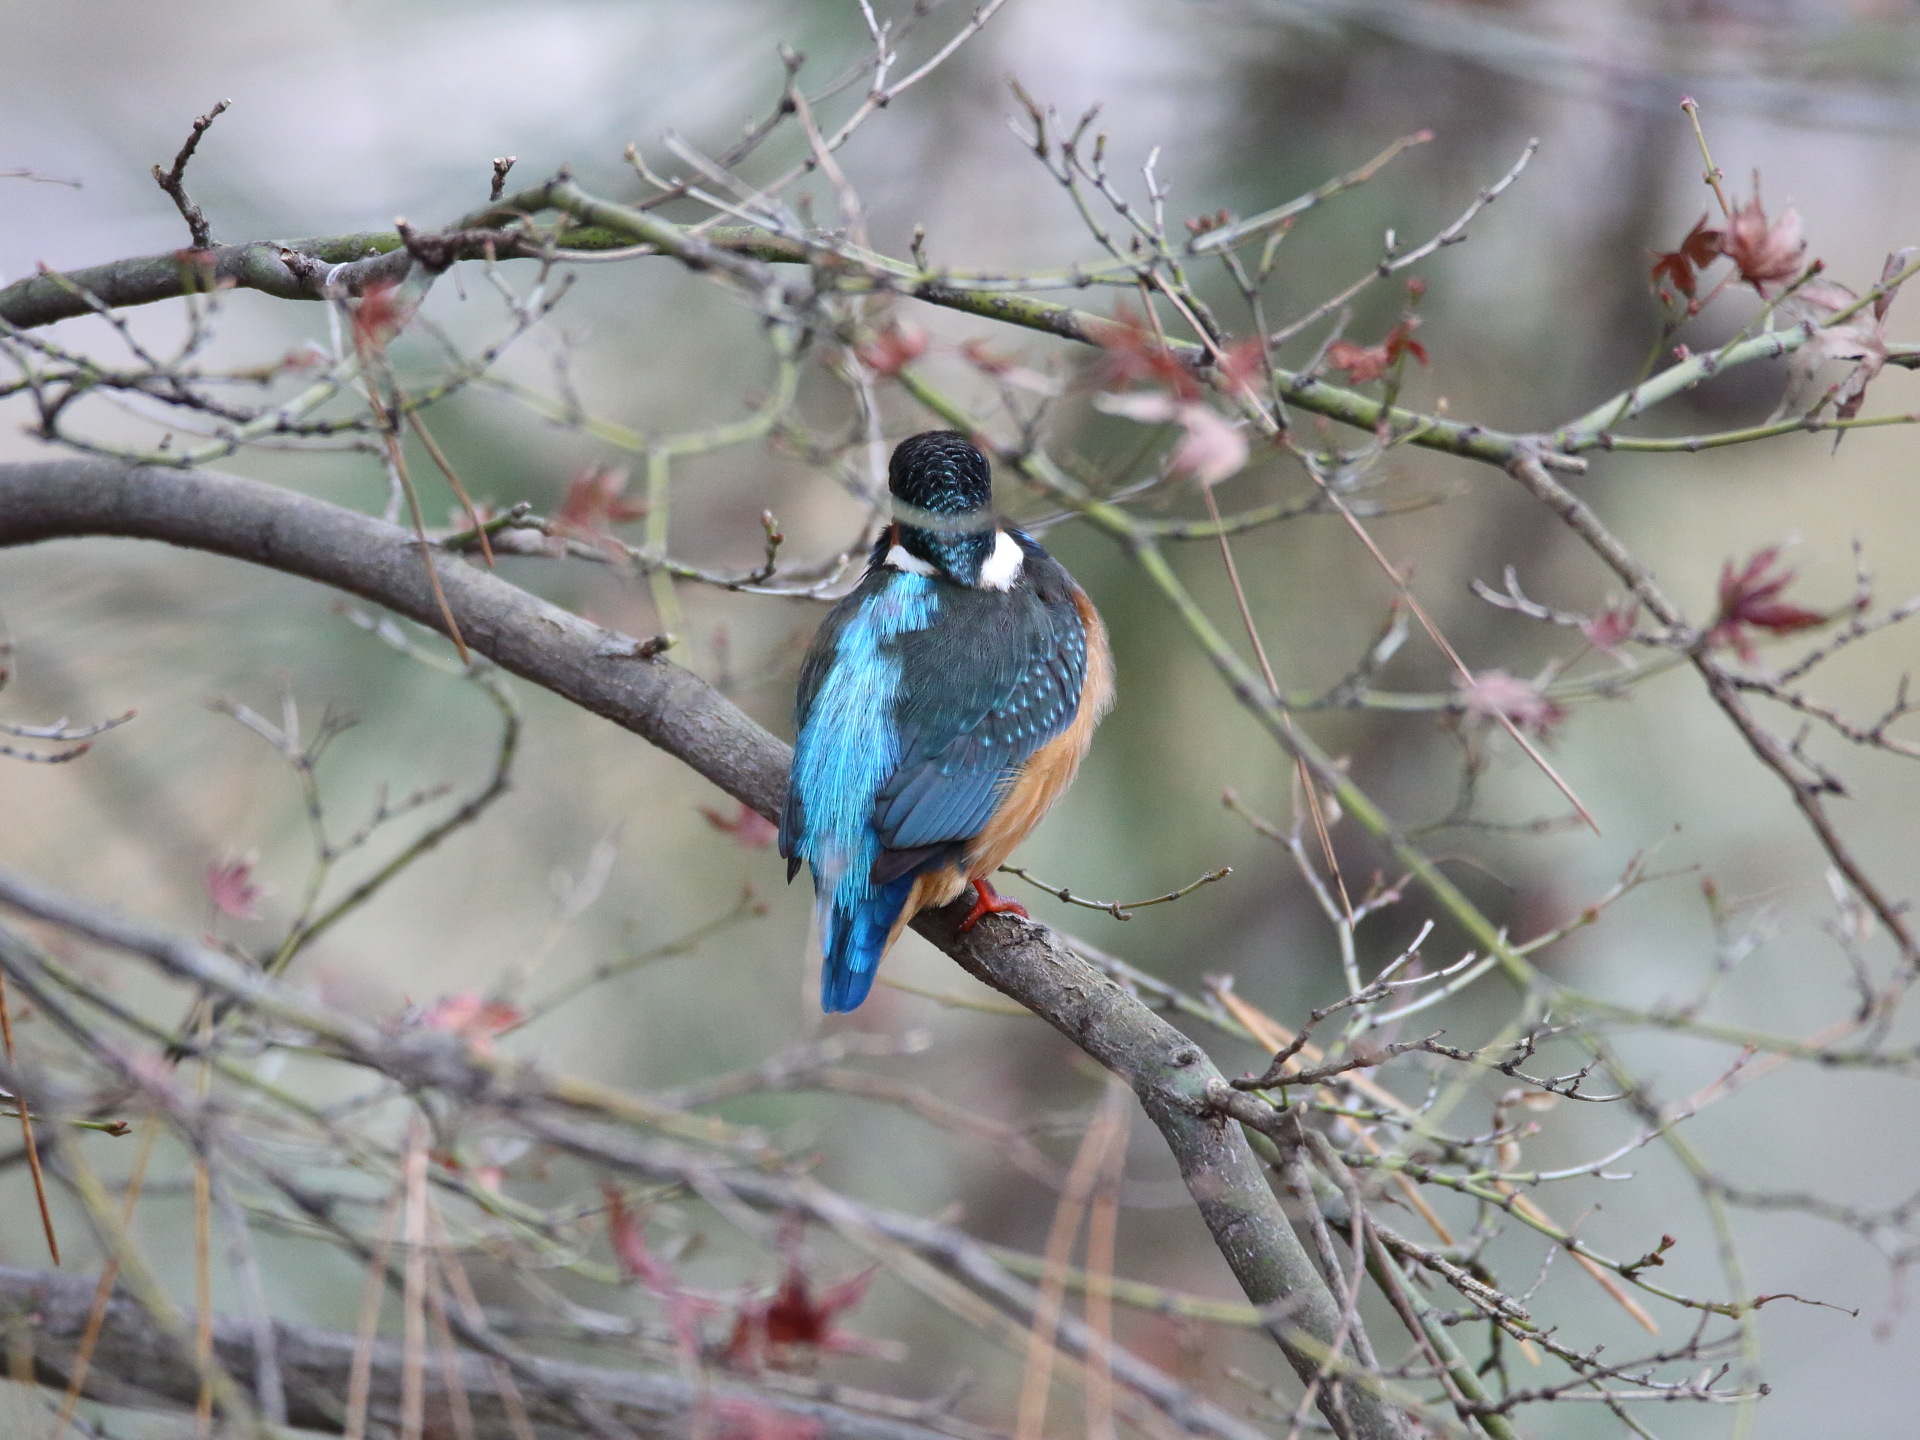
{"x":846,"y":750}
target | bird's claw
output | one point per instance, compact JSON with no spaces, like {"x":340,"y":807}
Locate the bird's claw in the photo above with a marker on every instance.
{"x":988,"y":901}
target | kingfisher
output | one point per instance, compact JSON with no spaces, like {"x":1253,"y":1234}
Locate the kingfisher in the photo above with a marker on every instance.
{"x":944,"y":705}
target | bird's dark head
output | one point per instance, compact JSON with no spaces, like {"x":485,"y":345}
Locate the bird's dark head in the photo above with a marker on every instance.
{"x":943,"y":493}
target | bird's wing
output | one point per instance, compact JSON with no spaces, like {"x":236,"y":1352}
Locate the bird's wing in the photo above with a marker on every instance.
{"x":813,"y":673}
{"x":992,"y":680}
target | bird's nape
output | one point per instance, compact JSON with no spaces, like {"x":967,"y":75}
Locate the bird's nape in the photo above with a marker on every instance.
{"x":942,"y":491}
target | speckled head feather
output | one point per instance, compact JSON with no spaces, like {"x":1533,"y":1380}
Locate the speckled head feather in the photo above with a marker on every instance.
{"x":941,"y":473}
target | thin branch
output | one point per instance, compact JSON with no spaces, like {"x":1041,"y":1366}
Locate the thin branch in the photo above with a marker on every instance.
{"x":174,"y":181}
{"x":1119,"y":909}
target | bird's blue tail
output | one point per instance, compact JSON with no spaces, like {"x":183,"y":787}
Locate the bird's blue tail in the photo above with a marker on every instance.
{"x":853,"y":935}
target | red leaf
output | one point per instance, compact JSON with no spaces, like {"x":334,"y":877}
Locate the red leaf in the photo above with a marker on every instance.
{"x":891,"y":350}
{"x":1007,"y":370}
{"x":1765,"y":254}
{"x":1750,"y":600}
{"x":1400,"y":341}
{"x":1370,"y":362}
{"x":474,"y":1018}
{"x":381,"y":313}
{"x":1135,"y":356}
{"x":794,"y":1316}
{"x":630,"y":1246}
{"x":1361,"y":362}
{"x":1699,"y":250}
{"x":1862,"y":338}
{"x":304,"y":357}
{"x":595,"y":500}
{"x":231,"y":888}
{"x":685,"y":1310}
{"x":1243,"y":367}
{"x":1212,"y":447}
{"x":981,"y":356}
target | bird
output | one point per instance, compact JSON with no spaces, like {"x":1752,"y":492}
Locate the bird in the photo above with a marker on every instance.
{"x":944,"y":705}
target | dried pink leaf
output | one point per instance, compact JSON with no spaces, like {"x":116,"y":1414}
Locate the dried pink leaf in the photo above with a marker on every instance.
{"x":891,"y":350}
{"x":232,"y":888}
{"x":1766,"y":254}
{"x":475,"y":1018}
{"x":1492,"y":694}
{"x":1611,"y":628}
{"x":595,"y":500}
{"x":1212,"y":448}
{"x":746,"y":825}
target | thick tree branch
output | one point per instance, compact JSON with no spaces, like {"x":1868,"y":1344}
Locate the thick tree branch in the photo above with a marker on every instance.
{"x":136,"y":1366}
{"x":595,"y":668}
{"x":145,"y":279}
{"x":276,"y":268}
{"x":610,"y":675}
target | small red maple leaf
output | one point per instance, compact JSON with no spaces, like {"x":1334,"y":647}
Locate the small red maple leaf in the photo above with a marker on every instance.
{"x":381,"y":313}
{"x":232,"y":889}
{"x":1370,"y":362}
{"x":685,"y":1310}
{"x":1136,"y":355}
{"x":794,"y":1316}
{"x":1862,"y":338}
{"x":1750,"y":600}
{"x":1765,"y":254}
{"x":1699,"y":250}
{"x":891,"y":350}
{"x":475,"y":1018}
{"x":595,"y":500}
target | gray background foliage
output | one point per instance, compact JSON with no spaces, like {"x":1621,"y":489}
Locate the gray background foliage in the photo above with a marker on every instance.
{"x":346,"y":114}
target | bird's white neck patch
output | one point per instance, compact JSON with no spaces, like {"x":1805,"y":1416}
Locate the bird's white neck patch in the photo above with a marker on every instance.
{"x":1002,"y":567}
{"x":899,"y":558}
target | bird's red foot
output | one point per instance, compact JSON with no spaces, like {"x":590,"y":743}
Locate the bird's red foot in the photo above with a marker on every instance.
{"x":988,"y":901}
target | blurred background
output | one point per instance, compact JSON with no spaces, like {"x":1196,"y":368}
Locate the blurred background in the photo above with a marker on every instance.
{"x":348,"y":114}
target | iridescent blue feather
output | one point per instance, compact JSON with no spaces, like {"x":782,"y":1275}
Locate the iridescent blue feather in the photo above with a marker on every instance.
{"x":847,"y":750}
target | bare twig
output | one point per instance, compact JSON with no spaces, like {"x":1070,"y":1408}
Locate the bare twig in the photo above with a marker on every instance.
{"x":173,"y":181}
